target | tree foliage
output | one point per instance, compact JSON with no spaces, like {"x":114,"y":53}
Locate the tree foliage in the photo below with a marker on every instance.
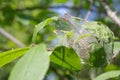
{"x":61,"y":46}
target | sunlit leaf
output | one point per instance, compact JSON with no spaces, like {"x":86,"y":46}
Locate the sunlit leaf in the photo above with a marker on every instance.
{"x":111,"y":67}
{"x":8,"y":56}
{"x":60,"y":1}
{"x":116,"y":46}
{"x":108,"y":75}
{"x":32,"y":66}
{"x":42,"y":25}
{"x":66,"y":57}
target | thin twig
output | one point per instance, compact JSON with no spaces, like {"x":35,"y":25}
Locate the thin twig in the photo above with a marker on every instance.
{"x":110,"y":13}
{"x":116,"y":54}
{"x":88,"y":14}
{"x":9,"y":36}
{"x":67,"y":17}
{"x":89,"y":11}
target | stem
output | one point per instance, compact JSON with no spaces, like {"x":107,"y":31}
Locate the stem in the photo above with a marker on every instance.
{"x":10,"y":37}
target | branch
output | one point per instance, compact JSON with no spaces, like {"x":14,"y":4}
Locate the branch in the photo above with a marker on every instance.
{"x":7,"y":35}
{"x":89,"y":11}
{"x":110,"y":13}
{"x":45,"y":7}
{"x":116,"y":54}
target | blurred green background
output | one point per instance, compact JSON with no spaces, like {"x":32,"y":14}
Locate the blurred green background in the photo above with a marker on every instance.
{"x":18,"y":18}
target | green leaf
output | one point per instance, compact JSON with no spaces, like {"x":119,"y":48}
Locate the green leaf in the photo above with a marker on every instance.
{"x":66,"y":57}
{"x":99,"y":30}
{"x":97,"y":55}
{"x":108,"y":75}
{"x":60,"y":1}
{"x":116,"y":46}
{"x":41,"y":26}
{"x":103,"y":35}
{"x":32,"y":66}
{"x":9,"y":56}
